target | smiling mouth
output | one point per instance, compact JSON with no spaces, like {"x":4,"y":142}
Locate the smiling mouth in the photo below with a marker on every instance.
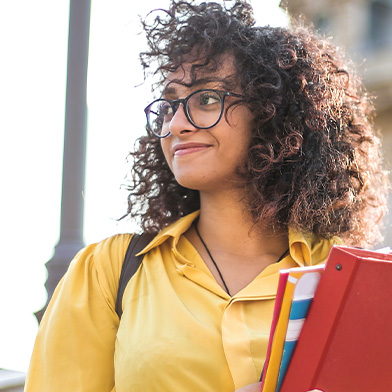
{"x":189,"y":149}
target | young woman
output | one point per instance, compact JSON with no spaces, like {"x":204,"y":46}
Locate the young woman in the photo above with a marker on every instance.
{"x":260,"y":155}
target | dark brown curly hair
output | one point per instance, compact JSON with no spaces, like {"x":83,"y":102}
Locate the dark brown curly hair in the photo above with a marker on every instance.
{"x":314,"y":161}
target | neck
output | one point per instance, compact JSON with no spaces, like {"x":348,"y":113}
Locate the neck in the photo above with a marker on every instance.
{"x":227,"y":227}
{"x":239,"y":249}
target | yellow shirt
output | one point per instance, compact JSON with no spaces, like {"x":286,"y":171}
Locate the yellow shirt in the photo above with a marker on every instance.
{"x":180,"y":331}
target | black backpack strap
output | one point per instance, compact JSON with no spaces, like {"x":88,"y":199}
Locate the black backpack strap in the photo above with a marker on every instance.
{"x":131,"y":264}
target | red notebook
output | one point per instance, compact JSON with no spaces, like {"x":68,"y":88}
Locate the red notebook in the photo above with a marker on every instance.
{"x":346,"y":341}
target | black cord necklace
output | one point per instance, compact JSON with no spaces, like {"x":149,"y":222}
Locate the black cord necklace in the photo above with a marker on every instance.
{"x":216,"y":266}
{"x":212,"y":259}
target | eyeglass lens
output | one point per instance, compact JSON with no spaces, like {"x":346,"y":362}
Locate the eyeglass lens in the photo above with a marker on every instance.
{"x":203,"y":109}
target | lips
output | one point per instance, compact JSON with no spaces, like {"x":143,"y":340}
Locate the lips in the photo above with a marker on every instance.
{"x":189,"y":148}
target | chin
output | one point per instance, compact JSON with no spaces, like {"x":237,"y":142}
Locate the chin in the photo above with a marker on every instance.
{"x":190,"y":184}
{"x":193,"y":181}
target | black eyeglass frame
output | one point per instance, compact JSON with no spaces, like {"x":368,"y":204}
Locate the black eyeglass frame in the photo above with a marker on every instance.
{"x":175,"y":104}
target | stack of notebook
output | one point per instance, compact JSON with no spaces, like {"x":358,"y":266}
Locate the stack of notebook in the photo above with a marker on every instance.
{"x":332,"y":326}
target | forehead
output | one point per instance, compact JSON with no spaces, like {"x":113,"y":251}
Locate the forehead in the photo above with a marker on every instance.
{"x":221,"y":73}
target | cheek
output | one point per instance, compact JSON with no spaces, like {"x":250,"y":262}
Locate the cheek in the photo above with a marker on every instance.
{"x":165,"y":145}
{"x":241,"y":137}
{"x":241,"y":119}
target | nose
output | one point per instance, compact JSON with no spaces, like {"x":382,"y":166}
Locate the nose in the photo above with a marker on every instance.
{"x":179,"y":124}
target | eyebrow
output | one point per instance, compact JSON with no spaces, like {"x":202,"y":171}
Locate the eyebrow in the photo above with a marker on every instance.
{"x":170,"y":90}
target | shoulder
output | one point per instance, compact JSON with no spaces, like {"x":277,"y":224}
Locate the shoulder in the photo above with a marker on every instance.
{"x":106,"y":253}
{"x":109,"y":251}
{"x":101,"y":262}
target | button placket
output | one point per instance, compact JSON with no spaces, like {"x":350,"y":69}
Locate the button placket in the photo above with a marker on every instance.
{"x":236,"y":344}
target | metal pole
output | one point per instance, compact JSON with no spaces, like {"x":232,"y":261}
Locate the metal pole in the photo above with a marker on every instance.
{"x":72,"y":204}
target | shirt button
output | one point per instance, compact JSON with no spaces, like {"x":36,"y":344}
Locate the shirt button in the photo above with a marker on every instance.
{"x":179,"y":272}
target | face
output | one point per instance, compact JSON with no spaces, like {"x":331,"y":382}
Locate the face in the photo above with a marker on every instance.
{"x":207,"y":159}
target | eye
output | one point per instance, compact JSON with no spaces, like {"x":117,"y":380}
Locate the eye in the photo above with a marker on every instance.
{"x":164,"y":109}
{"x":207,"y":98}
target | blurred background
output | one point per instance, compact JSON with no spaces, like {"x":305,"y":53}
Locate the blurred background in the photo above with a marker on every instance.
{"x":33,"y":75}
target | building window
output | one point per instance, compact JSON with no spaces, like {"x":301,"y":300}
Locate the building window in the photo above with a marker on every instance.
{"x":380,"y":26}
{"x":322,"y":24}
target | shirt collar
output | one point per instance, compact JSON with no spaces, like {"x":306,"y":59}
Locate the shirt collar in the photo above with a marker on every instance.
{"x":305,"y":248}
{"x":174,"y":230}
{"x":310,"y":249}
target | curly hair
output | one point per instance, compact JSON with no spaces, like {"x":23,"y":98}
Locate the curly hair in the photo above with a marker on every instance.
{"x":314,"y":162}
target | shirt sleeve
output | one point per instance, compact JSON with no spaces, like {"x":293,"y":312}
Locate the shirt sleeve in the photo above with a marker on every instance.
{"x":74,"y":348}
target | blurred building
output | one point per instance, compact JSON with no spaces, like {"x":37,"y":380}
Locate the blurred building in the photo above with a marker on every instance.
{"x":364,"y":29}
{"x":11,"y":381}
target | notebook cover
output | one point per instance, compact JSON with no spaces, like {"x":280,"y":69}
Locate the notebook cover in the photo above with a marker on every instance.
{"x":272,"y":371}
{"x":303,"y":297}
{"x":278,"y":305}
{"x":346,"y":341}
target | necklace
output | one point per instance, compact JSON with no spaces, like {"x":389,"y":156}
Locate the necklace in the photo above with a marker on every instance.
{"x":216,"y":266}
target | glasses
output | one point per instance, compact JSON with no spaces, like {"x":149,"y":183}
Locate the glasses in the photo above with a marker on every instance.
{"x":202,"y":108}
